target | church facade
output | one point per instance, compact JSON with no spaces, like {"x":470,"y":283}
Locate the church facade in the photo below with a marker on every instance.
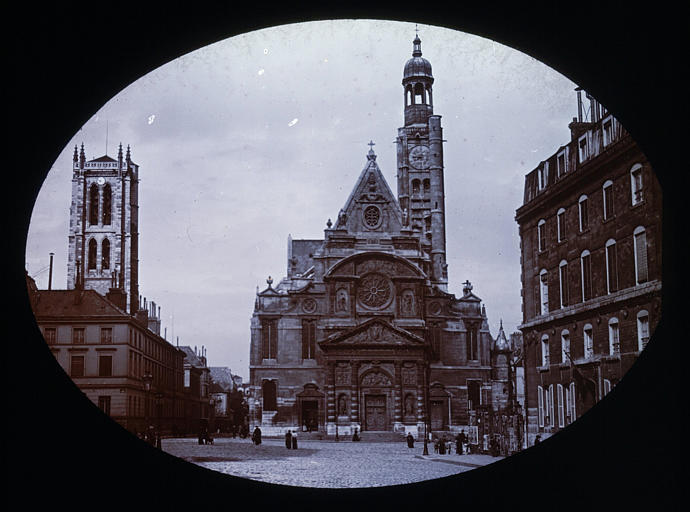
{"x":362,"y":332}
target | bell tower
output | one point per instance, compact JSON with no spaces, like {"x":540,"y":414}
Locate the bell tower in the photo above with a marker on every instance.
{"x":420,"y":164}
{"x":103,"y":233}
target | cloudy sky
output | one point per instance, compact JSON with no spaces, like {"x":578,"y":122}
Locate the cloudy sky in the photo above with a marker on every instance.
{"x":262,"y":135}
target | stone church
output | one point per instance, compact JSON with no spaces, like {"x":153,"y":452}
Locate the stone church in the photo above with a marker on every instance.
{"x":362,"y":332}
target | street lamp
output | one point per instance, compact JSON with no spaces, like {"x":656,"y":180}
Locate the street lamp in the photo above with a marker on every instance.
{"x":148,"y":379}
{"x":426,"y":408}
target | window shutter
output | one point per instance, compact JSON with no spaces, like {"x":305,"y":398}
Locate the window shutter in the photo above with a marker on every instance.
{"x":641,"y":250}
{"x":551,"y":408}
{"x":540,"y":396}
{"x":572,"y":402}
{"x":561,"y":414}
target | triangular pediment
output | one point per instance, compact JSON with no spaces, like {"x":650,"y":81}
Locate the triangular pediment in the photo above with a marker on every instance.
{"x":376,"y":333}
{"x":371,"y":206}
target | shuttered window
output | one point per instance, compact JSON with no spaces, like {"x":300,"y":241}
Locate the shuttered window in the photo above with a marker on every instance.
{"x":611,"y":267}
{"x":540,"y":397}
{"x":586,"y":268}
{"x":561,"y":410}
{"x":563,"y":281}
{"x":552,"y":415}
{"x":572,"y":410}
{"x":608,"y":200}
{"x":641,"y":272}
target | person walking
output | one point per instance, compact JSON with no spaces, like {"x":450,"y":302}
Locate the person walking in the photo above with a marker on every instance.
{"x":355,"y":436}
{"x":458,"y":444}
{"x":288,"y":440}
{"x":442,"y":446}
{"x":294,"y":440}
{"x":410,"y":440}
{"x":256,"y":436}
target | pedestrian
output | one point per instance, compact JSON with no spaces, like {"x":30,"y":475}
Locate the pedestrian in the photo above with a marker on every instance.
{"x":288,"y":440}
{"x":463,"y":441}
{"x":442,"y":446}
{"x":436,"y":446}
{"x":410,"y":440}
{"x":294,"y":440}
{"x":458,"y":445}
{"x":537,"y":439}
{"x":355,"y":436}
{"x":256,"y":436}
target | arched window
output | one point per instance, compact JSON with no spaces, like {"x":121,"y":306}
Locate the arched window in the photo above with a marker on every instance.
{"x":428,"y":95}
{"x":563,"y":282}
{"x":607,"y":192}
{"x":611,"y":266}
{"x":105,"y":254}
{"x":474,"y":394}
{"x":408,"y":96}
{"x":640,"y":241}
{"x":472,"y":343}
{"x":268,"y":389}
{"x":586,"y":271}
{"x":415,"y":186}
{"x":427,"y":186}
{"x":560,"y":224}
{"x":107,"y":205}
{"x":636,"y":185}
{"x":642,"y":329}
{"x":93,"y":204}
{"x":561,"y":406}
{"x":614,"y":337}
{"x":565,"y":346}
{"x":419,"y":94}
{"x":570,"y":403}
{"x":93,"y":254}
{"x":583,"y":214}
{"x":545,"y":350}
{"x":544,"y":291}
{"x":541,"y":235}
{"x":588,"y":339}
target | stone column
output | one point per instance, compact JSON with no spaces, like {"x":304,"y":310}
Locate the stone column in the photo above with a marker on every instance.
{"x":354,"y":394}
{"x":397,"y":390}
{"x":330,"y":401}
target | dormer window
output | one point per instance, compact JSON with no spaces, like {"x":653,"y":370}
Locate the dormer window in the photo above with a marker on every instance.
{"x":541,"y":235}
{"x":607,"y":131}
{"x":562,"y":162}
{"x":583,"y":148}
{"x":636,"y":184}
{"x":543,"y":175}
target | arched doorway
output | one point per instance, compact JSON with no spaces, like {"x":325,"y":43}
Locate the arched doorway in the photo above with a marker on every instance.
{"x":376,"y":393}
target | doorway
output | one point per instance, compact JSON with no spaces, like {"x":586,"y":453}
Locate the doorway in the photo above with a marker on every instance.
{"x":310,"y":415}
{"x":375,"y":412}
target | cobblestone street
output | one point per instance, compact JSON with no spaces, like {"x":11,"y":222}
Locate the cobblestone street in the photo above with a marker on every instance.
{"x":324,"y":463}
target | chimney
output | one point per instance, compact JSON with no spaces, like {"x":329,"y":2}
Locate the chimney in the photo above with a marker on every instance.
{"x":50,"y":273}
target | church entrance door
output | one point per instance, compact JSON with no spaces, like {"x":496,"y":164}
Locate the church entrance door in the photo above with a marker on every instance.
{"x":438,"y":415}
{"x":375,"y":412}
{"x":310,"y":415}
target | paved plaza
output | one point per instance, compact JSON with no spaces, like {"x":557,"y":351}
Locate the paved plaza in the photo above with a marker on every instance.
{"x":324,"y":463}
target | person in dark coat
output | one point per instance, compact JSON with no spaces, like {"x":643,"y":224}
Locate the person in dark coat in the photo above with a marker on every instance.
{"x":458,"y":444}
{"x":256,"y":436}
{"x":436,"y":445}
{"x":537,"y":439}
{"x":294,"y":441}
{"x":288,"y":440}
{"x":442,"y":446}
{"x":410,"y":440}
{"x":355,"y":436}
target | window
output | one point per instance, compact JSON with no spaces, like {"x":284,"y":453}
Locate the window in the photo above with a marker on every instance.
{"x":614,"y":337}
{"x":640,"y":241}
{"x":474,"y":393}
{"x":588,"y":341}
{"x":269,"y":333}
{"x":308,"y":339}
{"x":565,"y":346}
{"x":562,"y":162}
{"x":106,"y":335}
{"x":636,"y":184}
{"x":541,"y":234}
{"x":78,"y":335}
{"x":105,"y":366}
{"x":107,"y":205}
{"x":586,"y":270}
{"x":269,"y":395}
{"x":93,"y":204}
{"x":540,"y":399}
{"x":543,"y":175}
{"x":552,"y":417}
{"x":105,"y":254}
{"x":584,"y":218}
{"x":563,"y":282}
{"x":435,"y":341}
{"x":545,"y":350}
{"x":472,"y":345}
{"x":607,"y":191}
{"x":571,"y":403}
{"x":607,"y":130}
{"x":77,"y":366}
{"x":583,"y":148}
{"x":93,"y":254}
{"x":104,"y":404}
{"x":642,"y":329}
{"x":607,"y":386}
{"x":50,"y":335}
{"x":561,"y":406}
{"x":415,"y":186}
{"x":427,"y":186}
{"x":544,"y":291}
{"x":560,"y":224}
{"x":611,"y":266}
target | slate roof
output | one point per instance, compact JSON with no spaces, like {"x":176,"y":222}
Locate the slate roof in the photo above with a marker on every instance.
{"x":73,"y":303}
{"x":221,"y":376}
{"x":192,"y":358}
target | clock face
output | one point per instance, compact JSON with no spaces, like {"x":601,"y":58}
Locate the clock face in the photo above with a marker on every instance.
{"x":419,"y":157}
{"x":101,"y":181}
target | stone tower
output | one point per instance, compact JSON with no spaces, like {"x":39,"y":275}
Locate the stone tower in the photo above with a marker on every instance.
{"x":103,"y":233}
{"x":421,"y":192}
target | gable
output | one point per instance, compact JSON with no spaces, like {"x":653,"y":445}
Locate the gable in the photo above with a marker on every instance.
{"x":371,"y":207}
{"x":374,"y":333}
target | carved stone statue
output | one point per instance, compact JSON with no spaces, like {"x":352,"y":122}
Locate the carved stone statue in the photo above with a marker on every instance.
{"x":341,"y":300}
{"x":342,"y":406}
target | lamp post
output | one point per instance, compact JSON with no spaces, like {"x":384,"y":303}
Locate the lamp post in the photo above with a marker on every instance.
{"x":427,"y":426}
{"x":148,"y":379}
{"x":159,"y":400}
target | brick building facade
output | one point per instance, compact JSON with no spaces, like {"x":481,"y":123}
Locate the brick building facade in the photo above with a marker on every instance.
{"x":590,"y":231}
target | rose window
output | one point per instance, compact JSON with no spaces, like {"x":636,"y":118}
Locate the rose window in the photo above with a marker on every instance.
{"x":374,"y":291}
{"x":372,"y":216}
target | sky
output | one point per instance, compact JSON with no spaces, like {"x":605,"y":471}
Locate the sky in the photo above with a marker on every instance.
{"x":263,"y":135}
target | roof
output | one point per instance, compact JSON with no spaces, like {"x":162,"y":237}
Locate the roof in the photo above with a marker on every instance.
{"x":222,"y":376}
{"x":74,"y":303}
{"x":104,"y":158}
{"x":192,"y":358}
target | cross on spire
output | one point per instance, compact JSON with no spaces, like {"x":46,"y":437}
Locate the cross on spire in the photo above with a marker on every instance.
{"x":371,"y":145}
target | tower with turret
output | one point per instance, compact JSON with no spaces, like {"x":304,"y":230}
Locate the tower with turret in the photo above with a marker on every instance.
{"x":103,"y":232}
{"x":420,"y":164}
